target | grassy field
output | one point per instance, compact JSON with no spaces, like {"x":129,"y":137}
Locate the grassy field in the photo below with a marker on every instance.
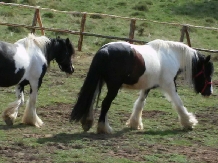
{"x":162,"y":139}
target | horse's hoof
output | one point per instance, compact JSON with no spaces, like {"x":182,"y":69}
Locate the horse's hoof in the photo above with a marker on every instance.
{"x":9,"y":121}
{"x":86,"y":124}
{"x":187,"y":129}
{"x":135,"y":125}
{"x":104,"y":129}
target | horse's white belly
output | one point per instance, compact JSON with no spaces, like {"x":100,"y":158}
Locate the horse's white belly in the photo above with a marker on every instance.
{"x":134,"y":86}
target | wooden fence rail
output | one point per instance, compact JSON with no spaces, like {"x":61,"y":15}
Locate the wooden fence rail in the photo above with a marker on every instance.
{"x":81,"y":32}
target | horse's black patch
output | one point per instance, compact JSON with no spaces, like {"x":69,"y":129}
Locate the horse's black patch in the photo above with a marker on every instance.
{"x":44,"y":68}
{"x":8,"y":77}
{"x":178,"y":72}
{"x":122,"y":63}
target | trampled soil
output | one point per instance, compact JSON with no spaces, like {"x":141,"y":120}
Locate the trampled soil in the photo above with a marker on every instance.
{"x":116,"y":143}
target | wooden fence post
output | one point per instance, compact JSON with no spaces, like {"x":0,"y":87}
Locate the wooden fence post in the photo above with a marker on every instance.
{"x":40,"y":22}
{"x":82,"y":27}
{"x":37,"y":18}
{"x":34,"y":21}
{"x":187,"y":36}
{"x":132,"y":30}
{"x":184,"y":31}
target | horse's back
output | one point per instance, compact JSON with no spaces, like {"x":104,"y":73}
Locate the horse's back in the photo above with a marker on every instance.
{"x":162,"y":61}
{"x":13,"y":63}
{"x":121,"y":63}
{"x":7,"y":50}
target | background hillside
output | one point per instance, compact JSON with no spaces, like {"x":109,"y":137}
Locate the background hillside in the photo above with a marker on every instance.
{"x":198,"y":13}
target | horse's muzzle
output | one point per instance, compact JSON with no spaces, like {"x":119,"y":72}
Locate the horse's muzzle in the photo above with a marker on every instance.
{"x":68,"y":74}
{"x":206,"y":95}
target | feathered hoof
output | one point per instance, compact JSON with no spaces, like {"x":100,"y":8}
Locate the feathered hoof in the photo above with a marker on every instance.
{"x":86,"y":124}
{"x":9,"y":121}
{"x":37,"y":122}
{"x":134,"y":125}
{"x":103,"y":129}
{"x":188,"y":122}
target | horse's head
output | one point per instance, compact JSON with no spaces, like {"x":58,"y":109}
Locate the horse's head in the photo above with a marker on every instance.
{"x":202,"y":75}
{"x":63,"y":51}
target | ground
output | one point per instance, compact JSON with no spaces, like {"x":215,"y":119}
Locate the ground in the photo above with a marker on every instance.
{"x":22,"y":153}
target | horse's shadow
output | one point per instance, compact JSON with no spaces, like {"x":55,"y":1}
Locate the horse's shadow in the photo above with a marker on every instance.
{"x":165,"y":132}
{"x":10,"y":127}
{"x":65,"y":138}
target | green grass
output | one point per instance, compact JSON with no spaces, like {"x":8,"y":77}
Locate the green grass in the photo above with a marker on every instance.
{"x":198,"y":13}
{"x":162,"y":139}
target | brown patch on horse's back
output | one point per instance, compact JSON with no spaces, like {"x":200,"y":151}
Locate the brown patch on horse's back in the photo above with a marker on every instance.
{"x":137,"y":69}
{"x":139,"y":65}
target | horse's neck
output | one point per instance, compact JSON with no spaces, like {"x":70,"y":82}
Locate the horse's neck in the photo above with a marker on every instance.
{"x":21,"y":41}
{"x":185,"y":55}
{"x":50,"y":52}
{"x":182,"y":52}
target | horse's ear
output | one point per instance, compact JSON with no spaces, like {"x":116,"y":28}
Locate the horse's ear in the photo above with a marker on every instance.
{"x":207,"y":59}
{"x":67,"y":40}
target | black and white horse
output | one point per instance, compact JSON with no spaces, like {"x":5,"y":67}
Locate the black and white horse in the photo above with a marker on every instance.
{"x":142,"y":67}
{"x":25,"y":62}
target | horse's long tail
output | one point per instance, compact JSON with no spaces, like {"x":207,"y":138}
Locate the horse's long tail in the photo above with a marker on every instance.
{"x":91,"y":87}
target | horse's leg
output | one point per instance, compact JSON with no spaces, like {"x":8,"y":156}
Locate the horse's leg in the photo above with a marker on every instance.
{"x":30,"y":117}
{"x":187,"y":120}
{"x":10,"y":113}
{"x":135,"y":120}
{"x":88,"y":121}
{"x":103,"y":125}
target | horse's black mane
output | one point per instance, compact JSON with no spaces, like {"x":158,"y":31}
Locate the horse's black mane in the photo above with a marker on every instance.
{"x":57,"y":41}
{"x":195,"y":62}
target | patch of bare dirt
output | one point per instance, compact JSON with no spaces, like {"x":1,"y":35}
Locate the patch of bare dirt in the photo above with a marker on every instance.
{"x":18,"y":152}
{"x":153,"y":113}
{"x":197,"y":153}
{"x":122,"y":146}
{"x":210,"y":115}
{"x":115,"y":145}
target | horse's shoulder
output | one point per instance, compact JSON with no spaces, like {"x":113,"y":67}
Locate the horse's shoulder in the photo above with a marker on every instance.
{"x":7,"y":48}
{"x":7,"y":44}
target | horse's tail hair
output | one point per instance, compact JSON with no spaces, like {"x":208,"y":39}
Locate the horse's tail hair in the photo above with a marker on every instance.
{"x":91,"y":87}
